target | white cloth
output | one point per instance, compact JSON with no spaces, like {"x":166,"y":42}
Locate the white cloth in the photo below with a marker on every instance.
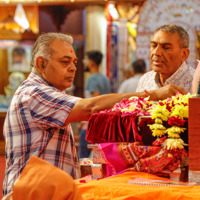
{"x":182,"y":77}
{"x":130,"y":85}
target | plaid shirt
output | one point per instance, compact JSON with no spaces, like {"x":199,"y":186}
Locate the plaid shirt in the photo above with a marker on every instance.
{"x":34,"y":125}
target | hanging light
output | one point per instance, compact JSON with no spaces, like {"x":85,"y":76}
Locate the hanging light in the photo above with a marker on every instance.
{"x":113,"y":11}
{"x":17,"y":23}
{"x":20,"y":17}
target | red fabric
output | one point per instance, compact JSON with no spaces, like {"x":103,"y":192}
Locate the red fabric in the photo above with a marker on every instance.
{"x":112,"y":127}
{"x":145,"y":131}
{"x":136,"y":157}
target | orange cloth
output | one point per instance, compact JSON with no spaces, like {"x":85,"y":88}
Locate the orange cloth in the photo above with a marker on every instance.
{"x":117,"y":187}
{"x":40,"y":180}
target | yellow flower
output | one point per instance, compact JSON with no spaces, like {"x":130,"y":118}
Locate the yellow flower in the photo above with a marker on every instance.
{"x":169,"y":155}
{"x":158,"y":133}
{"x":182,"y":99}
{"x":180,"y":111}
{"x":157,"y":127}
{"x":158,"y":130}
{"x":158,"y":120}
{"x":133,"y":97}
{"x":132,"y":107}
{"x":179,"y":108}
{"x":159,"y":111}
{"x":173,"y":135}
{"x":175,"y":129}
{"x":127,"y":109}
{"x":171,"y":143}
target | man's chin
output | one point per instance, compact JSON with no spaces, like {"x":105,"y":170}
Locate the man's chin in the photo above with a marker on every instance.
{"x":156,"y":68}
{"x":68,"y":85}
{"x":65,"y":87}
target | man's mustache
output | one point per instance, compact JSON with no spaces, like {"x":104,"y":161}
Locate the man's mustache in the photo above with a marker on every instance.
{"x":156,"y":58}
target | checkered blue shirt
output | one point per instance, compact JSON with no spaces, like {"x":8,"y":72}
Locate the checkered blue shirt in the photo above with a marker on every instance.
{"x":34,"y":125}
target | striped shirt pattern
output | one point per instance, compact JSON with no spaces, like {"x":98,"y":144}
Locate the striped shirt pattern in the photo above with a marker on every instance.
{"x":34,"y":125}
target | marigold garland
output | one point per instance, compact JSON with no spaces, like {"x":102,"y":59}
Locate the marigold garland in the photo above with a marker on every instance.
{"x":173,"y":110}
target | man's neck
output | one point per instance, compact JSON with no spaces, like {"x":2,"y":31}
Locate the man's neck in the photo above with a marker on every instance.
{"x":94,"y":70}
{"x":164,"y":77}
{"x":162,"y":80}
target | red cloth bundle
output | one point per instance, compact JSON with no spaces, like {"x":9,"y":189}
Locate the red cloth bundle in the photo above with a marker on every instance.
{"x":137,"y":157}
{"x":112,"y":127}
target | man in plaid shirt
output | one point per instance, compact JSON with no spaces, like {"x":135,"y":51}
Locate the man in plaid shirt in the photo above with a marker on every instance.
{"x":39,"y":116}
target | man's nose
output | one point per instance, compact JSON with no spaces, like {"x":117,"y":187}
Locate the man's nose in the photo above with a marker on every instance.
{"x":72,"y":67}
{"x":157,"y":50}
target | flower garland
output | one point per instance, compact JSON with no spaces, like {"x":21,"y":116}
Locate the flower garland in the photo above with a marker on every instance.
{"x":133,"y":106}
{"x":175,"y":111}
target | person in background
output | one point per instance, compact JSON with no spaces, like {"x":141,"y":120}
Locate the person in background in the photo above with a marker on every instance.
{"x":168,"y":52}
{"x":97,"y":84}
{"x":130,"y":85}
{"x":128,"y":70}
{"x":39,"y":116}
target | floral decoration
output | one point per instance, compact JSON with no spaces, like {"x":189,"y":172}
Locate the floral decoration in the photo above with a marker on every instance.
{"x":167,"y":120}
{"x":175,"y":111}
{"x":172,"y":111}
{"x":133,"y":106}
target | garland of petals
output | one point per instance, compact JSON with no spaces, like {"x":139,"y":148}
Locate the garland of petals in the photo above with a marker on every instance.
{"x":173,"y":110}
{"x":160,"y":113}
{"x":133,"y":106}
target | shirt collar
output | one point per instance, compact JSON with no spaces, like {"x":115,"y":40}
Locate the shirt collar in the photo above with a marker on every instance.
{"x":36,"y":78}
{"x":157,"y":79}
{"x":176,"y":75}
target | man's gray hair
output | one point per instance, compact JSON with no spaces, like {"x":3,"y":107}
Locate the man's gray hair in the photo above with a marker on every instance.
{"x":43,"y":42}
{"x":173,"y":28}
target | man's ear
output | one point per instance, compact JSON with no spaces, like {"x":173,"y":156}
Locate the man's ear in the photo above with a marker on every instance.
{"x":185,"y":54}
{"x":40,"y":64}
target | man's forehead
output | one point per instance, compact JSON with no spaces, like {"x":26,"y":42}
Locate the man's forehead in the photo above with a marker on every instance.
{"x":58,"y":44}
{"x":160,"y":42}
{"x":162,"y":37}
{"x":165,"y":35}
{"x":62,"y":47}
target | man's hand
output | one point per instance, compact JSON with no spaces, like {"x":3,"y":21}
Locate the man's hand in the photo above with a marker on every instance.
{"x":166,"y":92}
